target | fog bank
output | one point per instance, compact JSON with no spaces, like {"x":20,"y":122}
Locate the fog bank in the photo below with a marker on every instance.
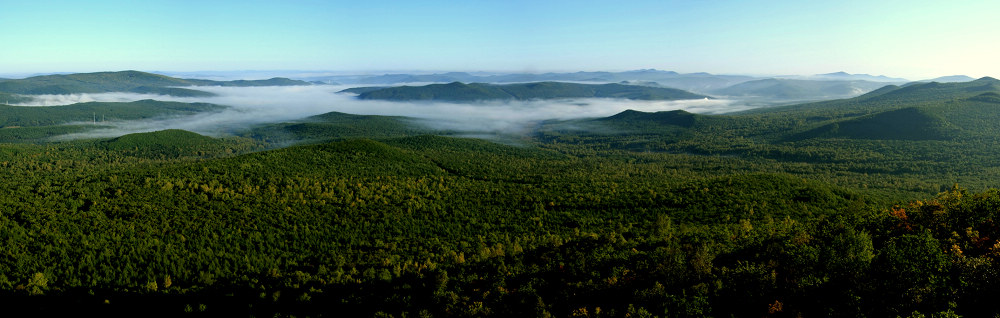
{"x":260,"y":105}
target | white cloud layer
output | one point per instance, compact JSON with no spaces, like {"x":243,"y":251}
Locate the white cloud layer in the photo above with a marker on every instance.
{"x":260,"y":105}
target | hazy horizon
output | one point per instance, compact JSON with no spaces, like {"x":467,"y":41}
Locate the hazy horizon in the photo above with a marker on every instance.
{"x":909,"y":39}
{"x":266,"y":74}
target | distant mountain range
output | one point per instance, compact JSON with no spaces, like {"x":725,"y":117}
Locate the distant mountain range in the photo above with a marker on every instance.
{"x":765,"y":89}
{"x":125,"y":81}
{"x":797,"y":89}
{"x":844,"y":76}
{"x":780,"y":88}
{"x":457,"y":92}
{"x":691,"y":82}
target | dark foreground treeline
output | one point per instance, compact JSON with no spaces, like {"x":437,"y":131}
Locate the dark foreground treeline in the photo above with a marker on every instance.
{"x":444,"y":227}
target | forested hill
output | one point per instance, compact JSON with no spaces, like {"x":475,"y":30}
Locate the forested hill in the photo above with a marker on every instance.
{"x":21,"y":116}
{"x":458,"y":92}
{"x":893,"y":97}
{"x":124,"y":81}
{"x":919,"y":132}
{"x":935,"y":91}
{"x":336,"y":125}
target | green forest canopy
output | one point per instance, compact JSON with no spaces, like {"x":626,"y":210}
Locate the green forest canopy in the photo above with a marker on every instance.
{"x":671,"y":214}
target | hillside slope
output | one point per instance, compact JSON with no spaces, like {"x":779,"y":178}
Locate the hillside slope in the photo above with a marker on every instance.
{"x":124,"y":81}
{"x":95,"y":112}
{"x":901,"y":124}
{"x":336,"y":125}
{"x":891,"y":97}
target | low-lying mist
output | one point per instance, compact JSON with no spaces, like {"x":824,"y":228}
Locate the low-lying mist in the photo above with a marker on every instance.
{"x":251,"y":106}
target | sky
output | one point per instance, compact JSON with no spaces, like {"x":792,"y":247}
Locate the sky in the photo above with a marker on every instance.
{"x":912,"y":39}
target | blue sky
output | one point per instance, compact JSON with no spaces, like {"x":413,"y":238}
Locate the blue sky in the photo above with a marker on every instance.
{"x":911,"y":39}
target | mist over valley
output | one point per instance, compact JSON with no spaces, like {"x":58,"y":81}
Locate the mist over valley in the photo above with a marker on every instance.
{"x":252,"y":106}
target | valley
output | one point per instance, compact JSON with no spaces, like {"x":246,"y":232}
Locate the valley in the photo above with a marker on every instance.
{"x":881,"y":204}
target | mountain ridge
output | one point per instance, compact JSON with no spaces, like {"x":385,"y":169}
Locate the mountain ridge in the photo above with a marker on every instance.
{"x":126,"y":81}
{"x":951,"y":78}
{"x":457,"y":91}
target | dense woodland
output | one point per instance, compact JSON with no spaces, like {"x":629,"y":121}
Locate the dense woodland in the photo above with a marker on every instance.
{"x":881,"y":205}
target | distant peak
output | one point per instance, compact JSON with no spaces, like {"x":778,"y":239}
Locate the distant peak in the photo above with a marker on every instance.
{"x":651,"y":70}
{"x":860,"y":76}
{"x":132,"y":72}
{"x":952,"y":79}
{"x":986,"y":79}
